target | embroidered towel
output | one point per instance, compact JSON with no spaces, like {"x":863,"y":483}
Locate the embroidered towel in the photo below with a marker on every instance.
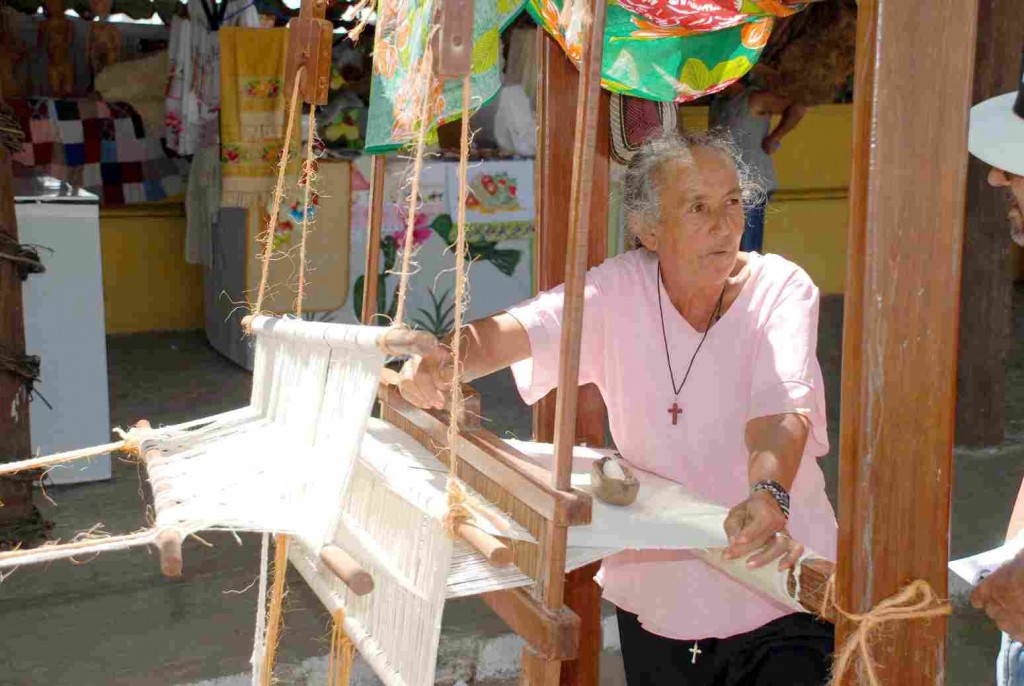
{"x":253,"y":114}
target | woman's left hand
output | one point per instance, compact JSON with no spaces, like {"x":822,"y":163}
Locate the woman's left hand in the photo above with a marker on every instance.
{"x":758,"y":524}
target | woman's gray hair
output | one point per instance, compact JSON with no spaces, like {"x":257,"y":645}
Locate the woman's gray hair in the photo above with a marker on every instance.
{"x":641,"y":199}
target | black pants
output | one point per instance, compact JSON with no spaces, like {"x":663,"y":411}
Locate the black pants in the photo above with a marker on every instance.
{"x":795,"y":650}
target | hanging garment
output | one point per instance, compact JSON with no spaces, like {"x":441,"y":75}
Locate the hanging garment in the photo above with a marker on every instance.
{"x":665,"y":50}
{"x":193,"y":89}
{"x":202,"y":201}
{"x":403,"y":31}
{"x":253,"y":113}
{"x":515,"y":127}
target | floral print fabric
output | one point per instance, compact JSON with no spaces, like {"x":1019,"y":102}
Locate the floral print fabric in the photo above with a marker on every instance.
{"x":664,"y":50}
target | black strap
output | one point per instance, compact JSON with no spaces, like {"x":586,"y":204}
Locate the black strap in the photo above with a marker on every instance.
{"x":668,"y":357}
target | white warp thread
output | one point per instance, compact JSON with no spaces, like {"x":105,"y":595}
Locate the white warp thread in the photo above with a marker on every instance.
{"x":397,"y":538}
{"x":279,"y":465}
{"x":259,"y":646}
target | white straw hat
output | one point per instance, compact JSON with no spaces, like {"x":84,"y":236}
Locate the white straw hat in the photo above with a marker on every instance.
{"x":996,"y":134}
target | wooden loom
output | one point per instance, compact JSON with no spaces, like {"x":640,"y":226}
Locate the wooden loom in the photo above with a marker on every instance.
{"x":885,"y":445}
{"x":542,"y":501}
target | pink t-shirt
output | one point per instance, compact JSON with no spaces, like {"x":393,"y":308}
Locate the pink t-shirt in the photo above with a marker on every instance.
{"x":758,"y":360}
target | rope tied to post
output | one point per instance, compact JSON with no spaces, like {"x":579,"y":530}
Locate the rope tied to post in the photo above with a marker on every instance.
{"x":24,"y":257}
{"x":917,"y":600}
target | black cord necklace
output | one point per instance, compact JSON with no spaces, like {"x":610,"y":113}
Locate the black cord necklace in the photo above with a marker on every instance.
{"x":715,"y":316}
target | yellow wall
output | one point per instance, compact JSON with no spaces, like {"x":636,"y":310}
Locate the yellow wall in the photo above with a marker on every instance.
{"x":807,"y":219}
{"x":147,"y":286}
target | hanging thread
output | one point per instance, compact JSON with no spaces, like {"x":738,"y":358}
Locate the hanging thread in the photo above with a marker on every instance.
{"x":458,"y":512}
{"x":276,"y":606}
{"x":342,"y":655}
{"x":424,"y":91}
{"x":274,"y":613}
{"x":268,"y":236}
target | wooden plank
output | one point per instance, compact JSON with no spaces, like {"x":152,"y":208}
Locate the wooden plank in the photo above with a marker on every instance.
{"x":584,"y":146}
{"x":557,"y":90}
{"x":551,"y":634}
{"x":15,"y":438}
{"x":907,"y":211}
{"x":372,"y":265}
{"x":986,"y":286}
{"x":487,"y":453}
{"x":557,"y":93}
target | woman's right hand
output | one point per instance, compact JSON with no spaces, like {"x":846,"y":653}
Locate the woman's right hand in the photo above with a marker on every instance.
{"x":424,"y":381}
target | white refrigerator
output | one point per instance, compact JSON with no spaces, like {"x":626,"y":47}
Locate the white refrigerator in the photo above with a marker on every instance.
{"x":64,"y":326}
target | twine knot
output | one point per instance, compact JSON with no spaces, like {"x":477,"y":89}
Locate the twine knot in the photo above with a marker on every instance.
{"x":459,"y":512}
{"x":916,"y":600}
{"x":131,"y":444}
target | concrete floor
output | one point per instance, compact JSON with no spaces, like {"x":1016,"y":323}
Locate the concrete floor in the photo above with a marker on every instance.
{"x":114,"y":620}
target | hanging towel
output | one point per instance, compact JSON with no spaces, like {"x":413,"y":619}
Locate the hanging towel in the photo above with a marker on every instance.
{"x":253,"y":113}
{"x":203,"y":203}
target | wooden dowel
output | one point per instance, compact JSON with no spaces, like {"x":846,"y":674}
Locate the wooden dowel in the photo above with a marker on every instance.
{"x":496,"y":552}
{"x":168,"y":542}
{"x":347,"y":569}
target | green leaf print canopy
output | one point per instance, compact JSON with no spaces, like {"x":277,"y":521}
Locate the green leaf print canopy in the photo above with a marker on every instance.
{"x":664,"y":50}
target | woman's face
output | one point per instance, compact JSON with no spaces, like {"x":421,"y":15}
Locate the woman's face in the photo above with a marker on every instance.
{"x":701,"y":217}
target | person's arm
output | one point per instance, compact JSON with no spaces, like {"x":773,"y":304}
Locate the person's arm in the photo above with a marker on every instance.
{"x":1016,"y":524}
{"x":1001,"y":594}
{"x":776,"y":445}
{"x":768,"y":104}
{"x":487,"y":345}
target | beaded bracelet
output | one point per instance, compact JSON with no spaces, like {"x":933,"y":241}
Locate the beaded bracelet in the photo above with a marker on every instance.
{"x":777,"y":492}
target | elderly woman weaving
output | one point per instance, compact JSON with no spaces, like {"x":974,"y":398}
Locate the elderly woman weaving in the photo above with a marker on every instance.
{"x":705,"y":357}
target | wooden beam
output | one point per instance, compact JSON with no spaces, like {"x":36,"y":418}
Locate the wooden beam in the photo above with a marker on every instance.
{"x":557,"y":93}
{"x":986,"y":286}
{"x":552,"y":634}
{"x":15,"y":438}
{"x":372,"y":265}
{"x":492,"y":457}
{"x":557,"y":89}
{"x":900,"y":335}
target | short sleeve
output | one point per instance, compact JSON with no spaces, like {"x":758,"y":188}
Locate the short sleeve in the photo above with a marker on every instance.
{"x":787,"y":377}
{"x":541,"y":316}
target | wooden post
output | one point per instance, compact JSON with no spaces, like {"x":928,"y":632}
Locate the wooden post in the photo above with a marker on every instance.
{"x":15,"y":440}
{"x":584,"y":154}
{"x":986,"y":287}
{"x":557,"y":88}
{"x":912,"y":94}
{"x":370,"y":285}
{"x":557,"y":93}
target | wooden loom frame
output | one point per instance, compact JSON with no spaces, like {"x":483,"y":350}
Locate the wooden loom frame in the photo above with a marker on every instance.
{"x":889,"y":228}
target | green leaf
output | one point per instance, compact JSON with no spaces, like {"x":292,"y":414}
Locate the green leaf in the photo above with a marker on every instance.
{"x":695,"y":75}
{"x":442,"y":226}
{"x":357,"y":297}
{"x":389,"y":249}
